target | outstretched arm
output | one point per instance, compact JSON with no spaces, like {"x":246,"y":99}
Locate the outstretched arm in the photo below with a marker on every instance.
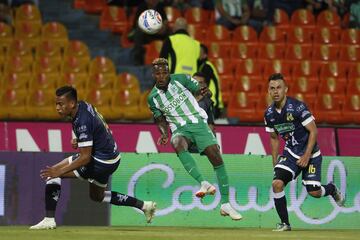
{"x":164,"y":130}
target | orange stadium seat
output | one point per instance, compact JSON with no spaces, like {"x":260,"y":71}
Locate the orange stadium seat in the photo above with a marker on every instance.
{"x":244,"y":33}
{"x":304,"y":18}
{"x":102,"y":65}
{"x":333,"y":69}
{"x":113,"y":18}
{"x":276,"y":66}
{"x":248,"y":83}
{"x":247,"y":67}
{"x":219,"y":50}
{"x":17,"y":64}
{"x":55,"y":32}
{"x":298,"y":34}
{"x":350,"y":36}
{"x":227,"y":82}
{"x":48,"y":49}
{"x":128,"y":81}
{"x":145,"y":112}
{"x":305,"y":68}
{"x":22,"y":49}
{"x":196,"y":31}
{"x":328,"y":18}
{"x":27,"y":13}
{"x":351,"y":109}
{"x":29,"y":32}
{"x":47,"y":65}
{"x":298,"y":52}
{"x":354,"y":71}
{"x":13,"y":104}
{"x":263,"y":102}
{"x":223,"y":66}
{"x":40,"y":104}
{"x":328,"y":109}
{"x":326,"y":35}
{"x":79,"y":4}
{"x":218,"y":33}
{"x":16,"y":80}
{"x":349,"y":53}
{"x":45,"y":81}
{"x":271,"y":51}
{"x":332,"y":86}
{"x":94,"y":6}
{"x":197,"y":15}
{"x":102,"y":81}
{"x":6,"y":36}
{"x":325,"y":52}
{"x":353,"y":86}
{"x":241,"y":106}
{"x":244,"y":50}
{"x":75,"y":65}
{"x":101,"y":100}
{"x":125,"y":104}
{"x":77,"y":49}
{"x":272,"y":34}
{"x":77,"y":80}
{"x":282,"y":20}
{"x":304,"y":85}
{"x":172,"y":14}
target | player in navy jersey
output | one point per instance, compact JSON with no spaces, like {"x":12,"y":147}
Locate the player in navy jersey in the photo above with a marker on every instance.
{"x":292,"y":121}
{"x":97,"y":159}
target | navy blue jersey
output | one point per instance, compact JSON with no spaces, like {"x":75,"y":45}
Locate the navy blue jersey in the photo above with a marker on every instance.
{"x":290,"y":125}
{"x":91,"y":130}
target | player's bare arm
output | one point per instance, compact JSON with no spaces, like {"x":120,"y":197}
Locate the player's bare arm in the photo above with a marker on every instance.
{"x":274,"y":144}
{"x":304,"y":159}
{"x":164,"y":129}
{"x":53,"y":171}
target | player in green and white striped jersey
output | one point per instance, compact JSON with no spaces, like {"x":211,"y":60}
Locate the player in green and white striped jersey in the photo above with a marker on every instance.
{"x":173,"y":104}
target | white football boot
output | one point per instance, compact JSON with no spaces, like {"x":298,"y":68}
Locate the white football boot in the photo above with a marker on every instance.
{"x":46,"y":223}
{"x":149,"y":209}
{"x":206,"y":188}
{"x":227,"y":210}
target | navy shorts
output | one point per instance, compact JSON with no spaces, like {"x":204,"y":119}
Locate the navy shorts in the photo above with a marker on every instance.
{"x":311,"y":175}
{"x":96,"y":172}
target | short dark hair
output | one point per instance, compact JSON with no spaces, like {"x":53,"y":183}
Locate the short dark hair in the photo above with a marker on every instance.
{"x":69,"y":91}
{"x":205,"y":48}
{"x":160,"y":62}
{"x":199,"y":74}
{"x":276,"y":76}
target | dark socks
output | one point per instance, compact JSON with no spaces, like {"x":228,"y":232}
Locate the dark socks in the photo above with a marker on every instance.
{"x":125,"y":200}
{"x":52,"y":195}
{"x":281,"y":207}
{"x":329,"y":189}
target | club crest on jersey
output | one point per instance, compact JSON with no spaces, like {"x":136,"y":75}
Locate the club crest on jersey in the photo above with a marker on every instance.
{"x":173,"y":88}
{"x":289,"y":117}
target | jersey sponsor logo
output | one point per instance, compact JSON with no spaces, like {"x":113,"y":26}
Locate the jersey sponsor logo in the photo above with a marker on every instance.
{"x":289,"y":117}
{"x":175,"y":103}
{"x":300,"y":108}
{"x":81,"y":128}
{"x":284,"y":127}
{"x":304,"y":113}
{"x":83,"y":136}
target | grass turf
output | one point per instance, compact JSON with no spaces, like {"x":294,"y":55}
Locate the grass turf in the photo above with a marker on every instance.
{"x":173,"y":233}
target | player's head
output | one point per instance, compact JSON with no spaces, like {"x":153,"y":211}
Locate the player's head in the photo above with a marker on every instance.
{"x":200,"y":77}
{"x":160,"y":72}
{"x":203,"y":52}
{"x":277,"y":87}
{"x":180,"y":24}
{"x":66,"y":101}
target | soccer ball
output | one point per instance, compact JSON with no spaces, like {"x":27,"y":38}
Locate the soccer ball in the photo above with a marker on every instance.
{"x":150,"y":21}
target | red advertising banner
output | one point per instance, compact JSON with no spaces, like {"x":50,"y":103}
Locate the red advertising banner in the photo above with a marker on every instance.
{"x":349,"y":142}
{"x":55,"y":137}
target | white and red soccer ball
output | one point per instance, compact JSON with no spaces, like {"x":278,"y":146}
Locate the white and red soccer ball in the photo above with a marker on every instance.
{"x":150,"y":21}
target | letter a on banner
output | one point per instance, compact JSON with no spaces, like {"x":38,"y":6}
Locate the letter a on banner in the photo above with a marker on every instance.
{"x":254,"y":145}
{"x":145,"y":143}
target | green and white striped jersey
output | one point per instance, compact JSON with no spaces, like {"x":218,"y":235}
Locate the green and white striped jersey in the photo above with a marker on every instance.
{"x":177,"y":104}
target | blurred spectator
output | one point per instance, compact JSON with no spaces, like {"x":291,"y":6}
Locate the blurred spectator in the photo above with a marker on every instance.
{"x":5,"y":12}
{"x":316,"y":6}
{"x":261,"y":13}
{"x":355,"y":15}
{"x":232,"y":13}
{"x":139,"y":37}
{"x":288,"y":5}
{"x":181,"y":50}
{"x":182,"y":5}
{"x":338,"y":6}
{"x":212,"y":80}
{"x":17,"y":3}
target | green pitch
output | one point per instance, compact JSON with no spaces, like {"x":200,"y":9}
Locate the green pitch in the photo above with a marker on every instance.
{"x":173,"y":233}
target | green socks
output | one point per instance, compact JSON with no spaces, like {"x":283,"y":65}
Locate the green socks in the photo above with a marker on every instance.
{"x":190,"y":166}
{"x":223,"y":182}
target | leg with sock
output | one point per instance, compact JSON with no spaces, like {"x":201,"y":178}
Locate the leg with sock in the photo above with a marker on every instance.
{"x":190,"y":165}
{"x":223,"y":182}
{"x":52,"y":195}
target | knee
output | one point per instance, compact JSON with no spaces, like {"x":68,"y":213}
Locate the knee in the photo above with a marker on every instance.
{"x":278,"y":185}
{"x":97,"y":197}
{"x":179,"y":144}
{"x":314,"y":191}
